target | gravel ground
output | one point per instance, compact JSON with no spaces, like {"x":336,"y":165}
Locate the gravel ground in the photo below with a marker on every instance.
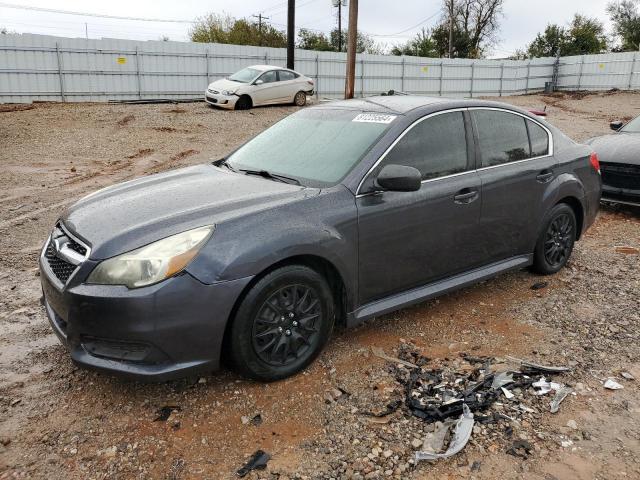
{"x":58,"y":421}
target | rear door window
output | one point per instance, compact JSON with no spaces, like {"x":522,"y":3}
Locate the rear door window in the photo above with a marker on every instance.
{"x":539,"y":139}
{"x":286,"y":75}
{"x":436,"y":146}
{"x":502,"y":137}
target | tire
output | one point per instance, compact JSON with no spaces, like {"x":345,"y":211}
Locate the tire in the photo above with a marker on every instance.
{"x":556,"y":240}
{"x":282,"y":324}
{"x":244,"y":103}
{"x":300,"y":99}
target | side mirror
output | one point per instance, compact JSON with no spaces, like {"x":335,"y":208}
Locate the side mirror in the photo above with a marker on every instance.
{"x":258,"y":82}
{"x":399,"y":178}
{"x":616,"y":125}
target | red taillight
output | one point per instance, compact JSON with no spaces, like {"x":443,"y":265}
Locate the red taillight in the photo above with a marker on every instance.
{"x":595,"y":163}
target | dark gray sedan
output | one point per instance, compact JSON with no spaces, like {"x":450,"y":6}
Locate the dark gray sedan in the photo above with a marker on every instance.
{"x":336,"y":214}
{"x":619,"y":155}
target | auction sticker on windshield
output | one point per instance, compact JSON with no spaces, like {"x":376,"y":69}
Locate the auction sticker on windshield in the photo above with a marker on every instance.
{"x":374,"y":118}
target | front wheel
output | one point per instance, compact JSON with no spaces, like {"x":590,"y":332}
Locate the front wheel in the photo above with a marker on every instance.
{"x":300,"y":100}
{"x":556,"y":240}
{"x":282,"y":324}
{"x":244,"y":103}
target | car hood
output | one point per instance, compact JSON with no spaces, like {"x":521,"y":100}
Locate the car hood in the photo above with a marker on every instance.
{"x":129,"y":215}
{"x":226,"y":84}
{"x":617,"y":148}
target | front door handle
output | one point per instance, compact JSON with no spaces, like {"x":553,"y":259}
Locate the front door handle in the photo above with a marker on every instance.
{"x":545,"y":176}
{"x":466,"y":195}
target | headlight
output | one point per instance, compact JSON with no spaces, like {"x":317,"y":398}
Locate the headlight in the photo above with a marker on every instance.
{"x":152,"y":263}
{"x":228,"y":92}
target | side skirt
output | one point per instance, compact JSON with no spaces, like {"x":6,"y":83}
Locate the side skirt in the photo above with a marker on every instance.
{"x":435,"y":289}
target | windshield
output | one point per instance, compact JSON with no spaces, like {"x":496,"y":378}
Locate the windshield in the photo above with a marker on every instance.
{"x":632,"y":127}
{"x":317,"y":147}
{"x":245,"y":75}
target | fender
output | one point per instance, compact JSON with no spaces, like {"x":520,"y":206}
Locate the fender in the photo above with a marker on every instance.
{"x":324,"y":226}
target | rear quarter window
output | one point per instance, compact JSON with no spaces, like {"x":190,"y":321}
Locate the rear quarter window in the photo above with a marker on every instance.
{"x":539,"y":139}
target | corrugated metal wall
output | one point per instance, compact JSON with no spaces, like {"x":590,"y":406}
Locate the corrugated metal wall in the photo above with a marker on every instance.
{"x":38,"y":67}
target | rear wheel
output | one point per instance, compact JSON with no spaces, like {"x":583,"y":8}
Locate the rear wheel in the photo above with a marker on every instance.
{"x":243,"y":103}
{"x":300,"y":100}
{"x":556,"y":241}
{"x":282,"y":324}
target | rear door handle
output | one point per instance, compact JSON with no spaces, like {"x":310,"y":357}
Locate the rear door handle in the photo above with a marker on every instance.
{"x":465,"y":195}
{"x":545,"y":176}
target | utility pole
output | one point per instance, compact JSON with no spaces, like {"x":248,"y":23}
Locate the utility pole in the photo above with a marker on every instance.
{"x":260,"y":17}
{"x":351,"y":50}
{"x":291,"y":32}
{"x":339,"y":25}
{"x":450,"y":8}
{"x":86,"y":31}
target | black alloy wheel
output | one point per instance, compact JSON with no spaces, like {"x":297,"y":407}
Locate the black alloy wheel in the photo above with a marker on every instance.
{"x":285,"y":327}
{"x":559,"y":240}
{"x":281,"y":324}
{"x":555,"y":243}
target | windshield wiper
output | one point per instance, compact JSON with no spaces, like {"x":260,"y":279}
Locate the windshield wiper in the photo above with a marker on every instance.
{"x":224,"y":162}
{"x":271,"y":176}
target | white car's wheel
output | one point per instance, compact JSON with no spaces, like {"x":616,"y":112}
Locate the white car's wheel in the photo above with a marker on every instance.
{"x":300,"y":99}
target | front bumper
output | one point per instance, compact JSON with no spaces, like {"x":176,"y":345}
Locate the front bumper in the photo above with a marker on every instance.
{"x":168,"y":330}
{"x":625,"y":196}
{"x":219,"y":100}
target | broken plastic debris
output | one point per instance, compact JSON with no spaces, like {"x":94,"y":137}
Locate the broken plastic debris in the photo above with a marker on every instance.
{"x":561,"y":394}
{"x":507,"y":393}
{"x":611,"y":384}
{"x":539,"y":285}
{"x":546,"y":387}
{"x":258,"y":461}
{"x":461,"y":436}
{"x":501,"y":379}
{"x":378,"y":352}
{"x":627,"y":375}
{"x":434,"y":441}
{"x":536,"y":366}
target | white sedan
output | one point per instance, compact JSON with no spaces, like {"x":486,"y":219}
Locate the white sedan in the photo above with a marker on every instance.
{"x":260,"y":85}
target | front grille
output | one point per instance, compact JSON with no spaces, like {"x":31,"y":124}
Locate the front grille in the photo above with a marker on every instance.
{"x":58,"y":264}
{"x":60,"y":268}
{"x":619,"y":175}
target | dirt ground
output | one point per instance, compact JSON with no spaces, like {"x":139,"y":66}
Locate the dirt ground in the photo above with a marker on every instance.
{"x":58,"y":421}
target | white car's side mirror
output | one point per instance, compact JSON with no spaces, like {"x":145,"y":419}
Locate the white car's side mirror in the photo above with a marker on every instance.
{"x":259,"y":82}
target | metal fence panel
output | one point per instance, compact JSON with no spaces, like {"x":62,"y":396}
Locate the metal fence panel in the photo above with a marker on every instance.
{"x":40,"y":67}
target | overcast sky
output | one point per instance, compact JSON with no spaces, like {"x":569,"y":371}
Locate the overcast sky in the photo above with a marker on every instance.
{"x":521,"y":21}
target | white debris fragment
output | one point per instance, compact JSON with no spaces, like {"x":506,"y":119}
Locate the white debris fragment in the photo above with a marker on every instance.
{"x":461,"y":435}
{"x":611,"y":384}
{"x":627,"y":375}
{"x":507,"y":393}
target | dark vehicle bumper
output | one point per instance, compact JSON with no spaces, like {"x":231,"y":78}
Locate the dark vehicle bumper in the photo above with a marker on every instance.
{"x":620,"y":195}
{"x":620,"y":183}
{"x":156,"y":333}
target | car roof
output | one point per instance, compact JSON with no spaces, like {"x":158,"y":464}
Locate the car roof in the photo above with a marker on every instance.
{"x":403,"y":104}
{"x":262,"y":68}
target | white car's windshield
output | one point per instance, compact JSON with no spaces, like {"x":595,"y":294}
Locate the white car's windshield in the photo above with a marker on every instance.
{"x":317,"y":147}
{"x":245,"y":75}
{"x":632,"y":127}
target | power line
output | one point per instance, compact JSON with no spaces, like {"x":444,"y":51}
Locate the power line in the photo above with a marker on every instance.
{"x":421,"y":22}
{"x":86,"y":14}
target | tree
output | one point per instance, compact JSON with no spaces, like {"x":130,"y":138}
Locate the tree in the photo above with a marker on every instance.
{"x":583,"y":36}
{"x":548,"y":44}
{"x":422,"y":45}
{"x":462,"y":47}
{"x":475,"y":26}
{"x":626,"y":23}
{"x":215,"y":28}
{"x":309,"y":40}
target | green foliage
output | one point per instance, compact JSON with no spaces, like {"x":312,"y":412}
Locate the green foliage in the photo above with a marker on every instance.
{"x":626,"y":23}
{"x":311,"y":40}
{"x":215,"y":28}
{"x":422,"y":45}
{"x":583,"y":36}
